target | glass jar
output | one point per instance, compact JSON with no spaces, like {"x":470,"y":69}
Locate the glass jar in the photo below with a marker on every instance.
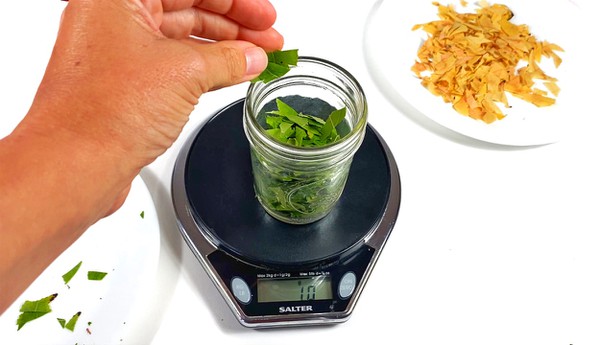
{"x":300,"y":185}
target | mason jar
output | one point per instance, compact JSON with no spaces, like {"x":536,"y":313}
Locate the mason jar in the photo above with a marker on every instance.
{"x":300,"y":185}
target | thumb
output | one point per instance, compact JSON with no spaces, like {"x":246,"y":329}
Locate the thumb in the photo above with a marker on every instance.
{"x":227,"y":63}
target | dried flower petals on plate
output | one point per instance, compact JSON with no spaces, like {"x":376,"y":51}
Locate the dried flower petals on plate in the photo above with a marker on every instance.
{"x":472,"y":60}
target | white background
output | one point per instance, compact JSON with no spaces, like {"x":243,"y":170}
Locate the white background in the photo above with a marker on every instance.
{"x":493,"y":245}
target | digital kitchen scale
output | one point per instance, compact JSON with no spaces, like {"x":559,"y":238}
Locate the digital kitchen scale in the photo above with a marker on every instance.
{"x":270,"y":273}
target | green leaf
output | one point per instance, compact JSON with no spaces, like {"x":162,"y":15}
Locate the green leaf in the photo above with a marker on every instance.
{"x":284,"y":57}
{"x":285,"y":128}
{"x":272,"y":72}
{"x":71,"y":324}
{"x":31,"y":310}
{"x":313,"y":120}
{"x":142,"y":214}
{"x":95,"y":275}
{"x":62,"y":322}
{"x":290,"y":114}
{"x":279,"y":64}
{"x":314,"y":130}
{"x":274,"y":121}
{"x":292,"y":142}
{"x":276,"y":134}
{"x":335,"y":118}
{"x":69,"y":275}
{"x":300,"y":135}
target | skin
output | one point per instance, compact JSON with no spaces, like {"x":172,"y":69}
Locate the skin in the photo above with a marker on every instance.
{"x":121,"y":82}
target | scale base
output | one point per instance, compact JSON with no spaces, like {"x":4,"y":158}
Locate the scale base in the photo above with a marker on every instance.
{"x":242,"y":247}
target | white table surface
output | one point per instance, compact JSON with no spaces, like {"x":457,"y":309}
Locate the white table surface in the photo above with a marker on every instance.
{"x":493,"y":245}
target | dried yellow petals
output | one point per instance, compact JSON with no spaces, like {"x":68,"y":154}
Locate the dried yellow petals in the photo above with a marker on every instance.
{"x":552,"y":87}
{"x":472,"y":60}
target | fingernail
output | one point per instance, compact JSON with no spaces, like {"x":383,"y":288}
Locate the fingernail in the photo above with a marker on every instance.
{"x":256,"y":61}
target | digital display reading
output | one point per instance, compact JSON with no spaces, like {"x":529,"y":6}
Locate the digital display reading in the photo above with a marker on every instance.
{"x":294,"y":289}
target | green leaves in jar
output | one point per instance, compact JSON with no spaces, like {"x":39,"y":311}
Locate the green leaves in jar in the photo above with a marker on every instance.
{"x":300,"y":193}
{"x":303,"y":130}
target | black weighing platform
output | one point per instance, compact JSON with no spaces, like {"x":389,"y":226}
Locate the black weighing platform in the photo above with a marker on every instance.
{"x":271,"y":273}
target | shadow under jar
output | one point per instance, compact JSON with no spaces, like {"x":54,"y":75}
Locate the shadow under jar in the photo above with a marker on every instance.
{"x":300,"y":185}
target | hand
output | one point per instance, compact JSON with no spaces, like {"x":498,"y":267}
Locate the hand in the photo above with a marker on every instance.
{"x":113,"y":62}
{"x":218,"y":20}
{"x":116,"y":55}
{"x":122,"y":80}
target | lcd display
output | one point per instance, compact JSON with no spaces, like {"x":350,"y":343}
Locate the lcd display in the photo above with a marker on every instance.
{"x":294,"y":289}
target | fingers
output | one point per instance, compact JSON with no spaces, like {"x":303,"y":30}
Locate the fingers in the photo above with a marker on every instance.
{"x":155,"y":10}
{"x":226,"y":63}
{"x":253,"y":14}
{"x":209,"y":25}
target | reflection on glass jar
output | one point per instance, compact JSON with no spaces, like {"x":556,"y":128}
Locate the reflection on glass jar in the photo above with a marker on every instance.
{"x":300,"y":185}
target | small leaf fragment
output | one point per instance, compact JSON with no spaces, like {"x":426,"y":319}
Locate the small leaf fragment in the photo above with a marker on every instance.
{"x":284,"y":57}
{"x":95,"y":275}
{"x":142,"y":214}
{"x":335,"y":118}
{"x":279,"y":64}
{"x":303,"y":130}
{"x":69,"y":275}
{"x":31,"y":310}
{"x":71,"y":324}
{"x":62,"y":322}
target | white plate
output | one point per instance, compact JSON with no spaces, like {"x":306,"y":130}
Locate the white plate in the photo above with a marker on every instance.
{"x":391,"y":49}
{"x":124,"y":245}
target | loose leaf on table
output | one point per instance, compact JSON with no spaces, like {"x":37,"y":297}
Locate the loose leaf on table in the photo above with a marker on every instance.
{"x":62,"y":322}
{"x":279,"y":64}
{"x":71,"y":324}
{"x":95,"y":275}
{"x":31,"y":310}
{"x":69,"y":275}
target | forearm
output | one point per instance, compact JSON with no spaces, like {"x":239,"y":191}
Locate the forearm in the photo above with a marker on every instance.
{"x":115,"y":95}
{"x":53,"y":187}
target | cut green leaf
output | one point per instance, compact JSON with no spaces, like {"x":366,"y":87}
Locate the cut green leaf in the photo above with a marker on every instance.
{"x":303,"y":130}
{"x":279,"y":64}
{"x":335,"y":118}
{"x":62,"y":322}
{"x":95,"y":275}
{"x":31,"y":310}
{"x":300,"y":135}
{"x":274,"y":121}
{"x":284,"y":57}
{"x":290,"y":114}
{"x":142,"y":214}
{"x":69,"y":275}
{"x":71,"y":324}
